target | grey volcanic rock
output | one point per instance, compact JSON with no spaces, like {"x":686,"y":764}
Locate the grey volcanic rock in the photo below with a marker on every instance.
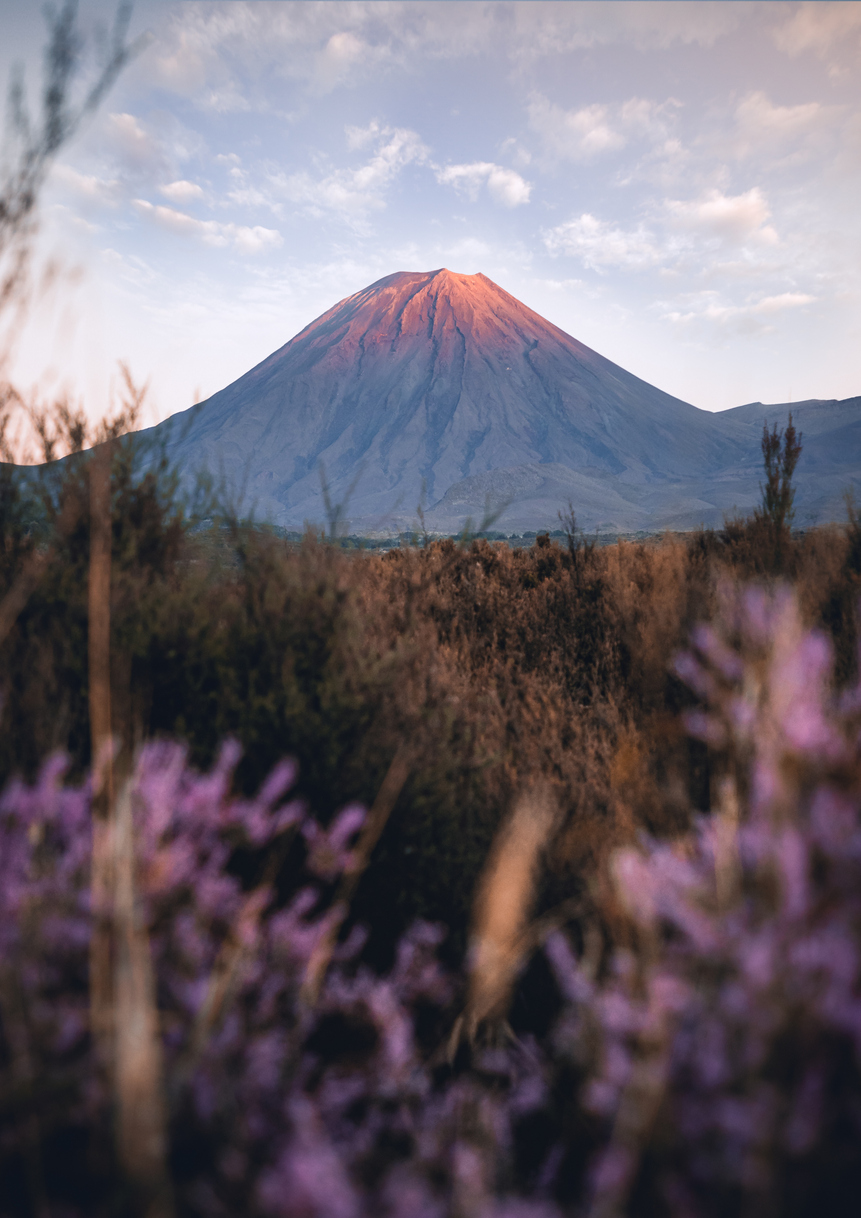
{"x":443,"y":390}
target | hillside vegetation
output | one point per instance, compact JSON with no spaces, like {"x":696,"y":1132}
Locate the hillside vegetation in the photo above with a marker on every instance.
{"x":496,"y":667}
{"x":625,"y":778}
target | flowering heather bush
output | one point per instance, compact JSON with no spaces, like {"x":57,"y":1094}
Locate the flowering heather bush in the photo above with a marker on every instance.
{"x":708,"y":1064}
{"x":727,"y":1036}
{"x":274,"y":1108}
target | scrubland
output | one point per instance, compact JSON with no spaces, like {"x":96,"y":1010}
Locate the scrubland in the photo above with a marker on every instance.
{"x":498,"y":666}
{"x":457,"y":881}
{"x":525,"y":982}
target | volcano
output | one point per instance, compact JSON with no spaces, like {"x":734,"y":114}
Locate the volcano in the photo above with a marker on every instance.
{"x":441,"y":391}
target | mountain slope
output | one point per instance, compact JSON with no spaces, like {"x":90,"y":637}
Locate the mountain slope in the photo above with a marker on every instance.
{"x":445,"y":389}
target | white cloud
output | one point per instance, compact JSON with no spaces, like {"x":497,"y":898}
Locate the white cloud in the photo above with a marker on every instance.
{"x":516,"y":152}
{"x":230,"y":99}
{"x":504,"y":185}
{"x":254,"y":239}
{"x":647,"y":116}
{"x":88,"y":186}
{"x":252,"y":196}
{"x":684,"y":232}
{"x":218,"y":52}
{"x":748,"y":318}
{"x":361,"y":189}
{"x":134,"y":146}
{"x":770,"y":132}
{"x":734,"y":218}
{"x":181,"y":191}
{"x":786,"y":300}
{"x":574,"y":135}
{"x":758,"y":119}
{"x":599,"y":245}
{"x":549,"y":28}
{"x":211,"y":232}
{"x":819,"y":27}
{"x":595,"y":130}
{"x":361,"y":137}
{"x":346,"y":55}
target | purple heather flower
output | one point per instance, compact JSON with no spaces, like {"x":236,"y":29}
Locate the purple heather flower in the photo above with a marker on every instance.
{"x":328,"y":849}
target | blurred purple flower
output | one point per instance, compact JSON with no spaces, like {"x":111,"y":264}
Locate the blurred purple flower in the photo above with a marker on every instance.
{"x":329,"y":849}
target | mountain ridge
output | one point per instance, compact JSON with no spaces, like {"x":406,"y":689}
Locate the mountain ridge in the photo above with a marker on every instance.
{"x":426,"y":387}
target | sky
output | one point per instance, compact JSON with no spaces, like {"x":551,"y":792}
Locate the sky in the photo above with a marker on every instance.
{"x":675,"y":184}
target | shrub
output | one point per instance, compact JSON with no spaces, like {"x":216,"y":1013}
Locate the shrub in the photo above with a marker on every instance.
{"x":502,"y":665}
{"x":704,"y":1059}
{"x":724,"y":1045}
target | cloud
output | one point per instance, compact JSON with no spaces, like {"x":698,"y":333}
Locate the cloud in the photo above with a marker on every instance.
{"x":220,"y":52}
{"x":765,"y":130}
{"x":246,"y":240}
{"x":123,"y":147}
{"x":361,"y":137}
{"x":734,"y":218}
{"x":786,"y":300}
{"x":504,"y":185}
{"x":356,"y":190}
{"x":599,"y":245}
{"x":516,"y":152}
{"x":574,"y":135}
{"x":820,"y":28}
{"x":229,"y":99}
{"x":89,"y":187}
{"x":345,"y":55}
{"x":758,"y":119}
{"x":748,"y":318}
{"x":549,"y":28}
{"x":134,"y":146}
{"x":181,"y":192}
{"x":595,"y":130}
{"x":682,"y":230}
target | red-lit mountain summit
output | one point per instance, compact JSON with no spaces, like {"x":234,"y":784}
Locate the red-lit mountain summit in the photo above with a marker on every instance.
{"x":442,"y":389}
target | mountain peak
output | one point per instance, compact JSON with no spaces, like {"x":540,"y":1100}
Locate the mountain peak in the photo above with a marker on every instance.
{"x":424,"y":379}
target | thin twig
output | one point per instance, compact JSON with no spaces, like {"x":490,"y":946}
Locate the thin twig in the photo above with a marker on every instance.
{"x":381,"y":809}
{"x":227,"y":971}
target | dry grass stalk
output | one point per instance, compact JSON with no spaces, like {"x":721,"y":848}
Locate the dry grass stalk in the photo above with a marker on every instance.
{"x":141,"y":1124}
{"x":727,"y":862}
{"x":227,"y":971}
{"x":225,"y":978}
{"x":99,"y":641}
{"x":124,"y":1017}
{"x":381,"y":809}
{"x":502,"y":908}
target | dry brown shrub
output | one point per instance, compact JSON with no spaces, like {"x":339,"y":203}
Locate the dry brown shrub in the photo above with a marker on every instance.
{"x":493,"y":662}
